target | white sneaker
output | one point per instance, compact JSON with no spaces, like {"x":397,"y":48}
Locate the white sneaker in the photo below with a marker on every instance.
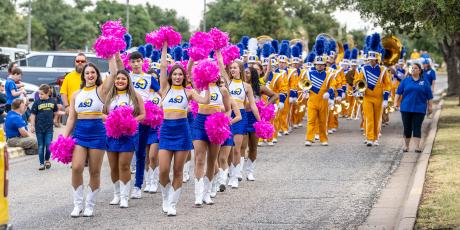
{"x":77,"y":201}
{"x":307,"y":143}
{"x":90,"y":202}
{"x":116,"y":194}
{"x":285,"y":133}
{"x":250,"y":170}
{"x":165,"y":195}
{"x":376,"y":143}
{"x":316,"y":137}
{"x":334,"y":130}
{"x":136,"y":193}
{"x":274,"y":140}
{"x":330,"y":131}
{"x":369,"y":143}
{"x":148,"y":179}
{"x":207,"y":191}
{"x":173,"y":199}
{"x":296,"y":126}
{"x":280,"y":134}
{"x":199,"y":190}
{"x":260,"y":144}
{"x":324,"y":144}
{"x":124,"y":194}
{"x":271,"y":143}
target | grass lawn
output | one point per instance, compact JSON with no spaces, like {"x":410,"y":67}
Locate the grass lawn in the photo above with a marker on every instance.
{"x":440,"y":205}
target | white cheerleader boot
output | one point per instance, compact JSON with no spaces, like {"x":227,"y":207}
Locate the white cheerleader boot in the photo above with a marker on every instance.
{"x":186,"y":176}
{"x":199,"y":190}
{"x":207,"y":191}
{"x":233,"y":181}
{"x":124,"y":193}
{"x":214,"y":185}
{"x":148,"y":179}
{"x":165,"y":195}
{"x":241,"y":169}
{"x":116,"y":194}
{"x":250,"y":170}
{"x":155,"y":180}
{"x":77,"y":201}
{"x":223,"y":175}
{"x":90,"y":202}
{"x":173,"y":199}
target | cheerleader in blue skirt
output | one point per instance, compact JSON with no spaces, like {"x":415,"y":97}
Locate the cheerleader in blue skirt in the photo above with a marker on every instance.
{"x":120,"y":150}
{"x":85,"y":121}
{"x":175,"y":139}
{"x":240,"y":91}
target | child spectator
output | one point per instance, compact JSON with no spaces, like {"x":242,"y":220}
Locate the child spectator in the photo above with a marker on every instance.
{"x":12,"y":90}
{"x":43,"y":112}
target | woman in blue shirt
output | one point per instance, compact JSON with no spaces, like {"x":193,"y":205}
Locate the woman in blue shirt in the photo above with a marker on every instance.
{"x":416,"y":97}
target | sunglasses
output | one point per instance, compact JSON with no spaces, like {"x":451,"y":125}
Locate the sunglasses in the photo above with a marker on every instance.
{"x":80,"y":61}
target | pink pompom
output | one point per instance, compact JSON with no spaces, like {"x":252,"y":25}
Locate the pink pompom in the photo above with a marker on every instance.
{"x":146,"y":65}
{"x":107,"y":46}
{"x":266,"y":113}
{"x":229,"y":54}
{"x":201,"y":45}
{"x":125,"y":58}
{"x":163,"y":34}
{"x":193,"y":107}
{"x":264,"y":129}
{"x":219,"y":38}
{"x":121,"y":122}
{"x":153,"y":115}
{"x":217,"y":128}
{"x":204,"y":73}
{"x":62,"y":149}
{"x":113,"y":28}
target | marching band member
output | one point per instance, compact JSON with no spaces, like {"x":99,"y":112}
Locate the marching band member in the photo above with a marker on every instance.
{"x":351,"y":75}
{"x":284,"y":71}
{"x":337,"y":73}
{"x":293,"y":79}
{"x":175,"y":138}
{"x":377,"y":92}
{"x":120,"y":150}
{"x":321,"y":96}
{"x":85,"y":121}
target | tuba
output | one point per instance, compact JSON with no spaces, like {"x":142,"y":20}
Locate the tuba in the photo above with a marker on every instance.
{"x":392,"y":46}
{"x":264,"y":39}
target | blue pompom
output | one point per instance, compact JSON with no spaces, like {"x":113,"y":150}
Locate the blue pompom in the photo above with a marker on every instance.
{"x":300,"y":46}
{"x":141,"y":50}
{"x":155,"y":56}
{"x":148,"y":50}
{"x":275,"y":45}
{"x":177,"y":53}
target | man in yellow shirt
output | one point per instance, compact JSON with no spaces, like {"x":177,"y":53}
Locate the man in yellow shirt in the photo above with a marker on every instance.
{"x":72,"y":81}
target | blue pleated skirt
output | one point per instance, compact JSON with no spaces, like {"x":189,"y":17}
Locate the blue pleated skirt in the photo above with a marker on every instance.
{"x":175,"y":135}
{"x":240,"y":126}
{"x":229,"y":141}
{"x":190,"y":119}
{"x":123,"y":144}
{"x":90,"y":133}
{"x":153,"y":136}
{"x":251,"y":120}
{"x":198,"y":130}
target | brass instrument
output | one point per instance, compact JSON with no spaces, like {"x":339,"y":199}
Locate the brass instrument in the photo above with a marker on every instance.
{"x":304,"y":85}
{"x":264,"y":39}
{"x":361,"y":86}
{"x":392,"y":46}
{"x":390,"y":108}
{"x":337,"y":108}
{"x":345,"y":104}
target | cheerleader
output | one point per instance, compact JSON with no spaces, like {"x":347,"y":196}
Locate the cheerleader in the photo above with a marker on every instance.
{"x":240,"y":91}
{"x":85,"y":121}
{"x":153,"y":171}
{"x":224,"y":154}
{"x":206,"y":152}
{"x":120,"y":150}
{"x":251,"y":139}
{"x":175,"y":139}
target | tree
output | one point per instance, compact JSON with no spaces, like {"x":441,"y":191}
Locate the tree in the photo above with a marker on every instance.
{"x":419,"y":18}
{"x":10,"y":33}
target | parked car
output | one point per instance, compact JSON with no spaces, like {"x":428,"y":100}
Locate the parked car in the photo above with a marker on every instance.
{"x":3,"y":183}
{"x":48,"y":67}
{"x":8,"y":54}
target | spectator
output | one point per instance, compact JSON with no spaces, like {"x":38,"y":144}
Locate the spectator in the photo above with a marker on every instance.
{"x":428,"y":73}
{"x":12,"y":90}
{"x":72,"y":81}
{"x":416,"y":97}
{"x":11,"y":66}
{"x":16,"y":130}
{"x":43,"y":111}
{"x":2,"y":104}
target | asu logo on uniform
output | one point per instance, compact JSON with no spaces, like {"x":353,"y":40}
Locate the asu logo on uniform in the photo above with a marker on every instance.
{"x":177,"y":99}
{"x":236,"y":91}
{"x":86,"y":103}
{"x":140,"y":84}
{"x":156,"y":100}
{"x":214,"y":96}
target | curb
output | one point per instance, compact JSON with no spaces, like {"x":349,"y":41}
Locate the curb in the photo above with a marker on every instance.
{"x":408,"y":212}
{"x":15,"y":152}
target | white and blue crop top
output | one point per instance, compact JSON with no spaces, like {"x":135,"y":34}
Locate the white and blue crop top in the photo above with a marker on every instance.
{"x":175,"y":100}
{"x":237,"y":91}
{"x":216,"y":98}
{"x":121,"y":99}
{"x":143,"y":83}
{"x":88,"y":102}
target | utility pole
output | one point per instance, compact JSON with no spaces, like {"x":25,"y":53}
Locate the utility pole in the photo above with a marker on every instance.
{"x":204,"y":16}
{"x":127,"y":16}
{"x":29,"y":28}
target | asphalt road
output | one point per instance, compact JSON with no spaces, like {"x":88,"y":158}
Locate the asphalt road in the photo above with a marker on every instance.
{"x":297,"y":187}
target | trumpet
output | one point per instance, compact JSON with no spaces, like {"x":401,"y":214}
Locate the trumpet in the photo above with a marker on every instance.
{"x":390,"y":108}
{"x":361,"y":86}
{"x":337,"y":108}
{"x":304,"y":85}
{"x":345,"y":104}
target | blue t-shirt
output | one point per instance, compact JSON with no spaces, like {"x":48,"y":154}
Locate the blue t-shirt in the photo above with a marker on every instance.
{"x":44,"y":113}
{"x":415,"y":95}
{"x":429,"y":75}
{"x":14,"y":122}
{"x":10,"y":85}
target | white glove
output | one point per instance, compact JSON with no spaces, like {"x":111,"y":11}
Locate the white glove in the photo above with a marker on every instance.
{"x":385,"y":104}
{"x":306,"y":95}
{"x":292,"y":100}
{"x":331,"y":103}
{"x":326,"y":96}
{"x":339,"y":99}
{"x":280,"y":106}
{"x":343,"y":94}
{"x":276,"y":108}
